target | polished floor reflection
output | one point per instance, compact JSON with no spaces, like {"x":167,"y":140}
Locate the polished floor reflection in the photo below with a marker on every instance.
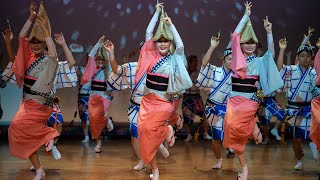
{"x":187,"y":161}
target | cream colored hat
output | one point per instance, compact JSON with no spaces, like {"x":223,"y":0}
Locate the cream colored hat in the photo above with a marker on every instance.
{"x":36,"y":31}
{"x":101,"y":54}
{"x":163,"y":30}
{"x":248,"y":33}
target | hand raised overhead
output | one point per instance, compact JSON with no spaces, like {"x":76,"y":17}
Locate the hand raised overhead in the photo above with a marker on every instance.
{"x":59,"y":38}
{"x":267,"y":25}
{"x":311,"y":31}
{"x":32,"y":11}
{"x":283,"y":43}
{"x":248,"y":6}
{"x":159,"y":6}
{"x":108,"y":45}
{"x":166,"y":19}
{"x":215,"y":40}
{"x":7,"y":35}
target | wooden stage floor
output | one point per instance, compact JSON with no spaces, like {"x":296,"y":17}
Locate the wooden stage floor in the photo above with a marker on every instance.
{"x":187,"y":161}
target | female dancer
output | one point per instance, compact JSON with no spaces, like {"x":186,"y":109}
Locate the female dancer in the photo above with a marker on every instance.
{"x":38,"y":72}
{"x":248,"y":71}
{"x":56,"y":119}
{"x":166,"y":74}
{"x":97,"y":72}
{"x":124,"y":78}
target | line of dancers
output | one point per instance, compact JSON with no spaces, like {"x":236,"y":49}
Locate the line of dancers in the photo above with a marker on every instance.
{"x":245,"y":85}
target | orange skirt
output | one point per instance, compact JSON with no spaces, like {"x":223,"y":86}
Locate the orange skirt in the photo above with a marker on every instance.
{"x":174,"y":117}
{"x":27,"y":131}
{"x":315,"y":121}
{"x":97,"y":109}
{"x":153,"y":122}
{"x":239,"y":123}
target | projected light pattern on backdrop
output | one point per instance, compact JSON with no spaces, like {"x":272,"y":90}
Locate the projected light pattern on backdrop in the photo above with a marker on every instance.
{"x":125,"y":21}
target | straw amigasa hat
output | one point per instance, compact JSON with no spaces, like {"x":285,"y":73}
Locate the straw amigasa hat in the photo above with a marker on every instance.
{"x":36,"y":31}
{"x":248,"y":33}
{"x":101,"y":54}
{"x":165,"y":32}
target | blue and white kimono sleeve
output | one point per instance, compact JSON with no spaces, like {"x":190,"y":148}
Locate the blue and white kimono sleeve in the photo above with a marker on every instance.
{"x":124,"y":77}
{"x":206,"y":78}
{"x":315,"y":90}
{"x":65,"y":76}
{"x":285,"y":75}
{"x":179,"y":79}
{"x":270,"y":78}
{"x":8,"y":75}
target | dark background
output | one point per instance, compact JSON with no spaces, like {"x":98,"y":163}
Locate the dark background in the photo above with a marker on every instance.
{"x":125,"y":21}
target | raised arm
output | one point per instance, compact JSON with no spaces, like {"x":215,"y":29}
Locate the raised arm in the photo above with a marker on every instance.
{"x":288,"y":55}
{"x":214,"y":42}
{"x":282,"y":45}
{"x":108,"y":45}
{"x":153,"y":22}
{"x":268,"y":28}
{"x":59,"y":38}
{"x":32,"y":17}
{"x":8,"y":37}
{"x":96,"y":47}
{"x":244,"y":19}
{"x":307,"y":38}
{"x":239,"y":63}
{"x":229,"y":46}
